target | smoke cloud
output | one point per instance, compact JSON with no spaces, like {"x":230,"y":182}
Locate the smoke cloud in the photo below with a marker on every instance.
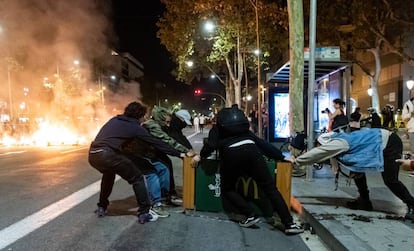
{"x":39,"y":41}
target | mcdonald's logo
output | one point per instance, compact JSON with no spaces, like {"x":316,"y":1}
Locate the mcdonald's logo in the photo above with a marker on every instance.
{"x":245,"y":182}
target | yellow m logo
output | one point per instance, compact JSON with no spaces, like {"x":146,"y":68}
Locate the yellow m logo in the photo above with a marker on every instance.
{"x":245,"y":181}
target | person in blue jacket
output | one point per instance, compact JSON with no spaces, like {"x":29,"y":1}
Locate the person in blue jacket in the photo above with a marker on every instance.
{"x":365,"y":150}
{"x":241,"y":153}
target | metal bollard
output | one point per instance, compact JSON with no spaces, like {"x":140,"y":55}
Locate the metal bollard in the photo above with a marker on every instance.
{"x":188,"y":183}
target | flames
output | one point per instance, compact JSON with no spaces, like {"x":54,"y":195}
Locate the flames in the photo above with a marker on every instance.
{"x":48,"y":134}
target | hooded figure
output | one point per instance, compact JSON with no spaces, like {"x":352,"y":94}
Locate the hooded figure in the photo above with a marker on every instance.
{"x":179,"y":120}
{"x":158,"y":126}
{"x":241,"y":154}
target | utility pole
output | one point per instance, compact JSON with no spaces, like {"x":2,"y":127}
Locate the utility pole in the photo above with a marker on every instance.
{"x":259,"y":105}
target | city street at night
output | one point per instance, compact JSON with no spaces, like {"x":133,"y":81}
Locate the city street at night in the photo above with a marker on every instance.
{"x":48,"y":195}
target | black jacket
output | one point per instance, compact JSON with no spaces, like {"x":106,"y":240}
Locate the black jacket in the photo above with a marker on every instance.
{"x":219,"y":142}
{"x":121,"y":129}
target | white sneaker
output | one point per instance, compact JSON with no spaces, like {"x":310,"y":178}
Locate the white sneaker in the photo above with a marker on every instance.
{"x":160,"y":212}
{"x":154,"y":215}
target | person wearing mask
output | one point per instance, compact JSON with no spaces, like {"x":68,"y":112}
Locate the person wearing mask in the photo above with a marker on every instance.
{"x":179,"y":120}
{"x":161,"y":118}
{"x":106,"y":155}
{"x":355,"y":123}
{"x":240,"y":154}
{"x":368,"y":149}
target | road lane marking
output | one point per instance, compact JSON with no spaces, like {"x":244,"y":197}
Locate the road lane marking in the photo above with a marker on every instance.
{"x":8,"y":153}
{"x":32,"y":222}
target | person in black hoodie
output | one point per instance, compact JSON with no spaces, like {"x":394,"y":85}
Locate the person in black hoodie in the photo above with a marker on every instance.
{"x":240,"y":154}
{"x":107,"y":156}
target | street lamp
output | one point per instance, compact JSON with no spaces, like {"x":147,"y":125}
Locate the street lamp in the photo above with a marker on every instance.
{"x":369,"y":91}
{"x":209,"y":26}
{"x":189,"y":63}
{"x":410,"y":83}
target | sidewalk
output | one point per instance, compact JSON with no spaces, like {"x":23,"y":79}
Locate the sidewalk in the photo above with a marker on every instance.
{"x":341,"y":228}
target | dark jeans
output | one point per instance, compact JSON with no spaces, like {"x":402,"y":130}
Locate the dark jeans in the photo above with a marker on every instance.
{"x":391,"y":152}
{"x":248,"y":160}
{"x":110,"y":163}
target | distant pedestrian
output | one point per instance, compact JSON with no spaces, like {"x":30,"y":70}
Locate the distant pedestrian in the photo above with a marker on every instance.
{"x":375,"y":118}
{"x":202,"y":122}
{"x":240,"y":154}
{"x":196,"y":122}
{"x":338,"y":120}
{"x":265,"y":123}
{"x":408,"y":118}
{"x":388,"y":120}
{"x":355,"y":123}
{"x":369,"y":149}
{"x":254,"y":119}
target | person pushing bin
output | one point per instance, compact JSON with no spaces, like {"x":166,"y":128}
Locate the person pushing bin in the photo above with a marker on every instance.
{"x":240,"y":153}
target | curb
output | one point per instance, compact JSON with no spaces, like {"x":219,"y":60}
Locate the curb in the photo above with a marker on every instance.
{"x":334,"y":234}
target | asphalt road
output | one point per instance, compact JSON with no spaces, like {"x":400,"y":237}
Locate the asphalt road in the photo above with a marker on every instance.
{"x":47,"y":198}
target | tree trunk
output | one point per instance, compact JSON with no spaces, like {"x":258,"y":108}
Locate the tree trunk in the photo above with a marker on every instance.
{"x":374,"y":79}
{"x":296,"y":44}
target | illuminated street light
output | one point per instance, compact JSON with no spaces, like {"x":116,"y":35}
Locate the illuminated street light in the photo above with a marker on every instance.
{"x":189,"y":63}
{"x":410,"y":83}
{"x":369,"y":91}
{"x":76,"y":62}
{"x":209,"y":26}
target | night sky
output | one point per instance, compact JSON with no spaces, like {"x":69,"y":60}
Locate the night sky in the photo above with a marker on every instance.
{"x":135,"y":26}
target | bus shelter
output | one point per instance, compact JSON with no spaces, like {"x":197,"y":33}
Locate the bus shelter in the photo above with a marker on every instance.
{"x":332,"y":80}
